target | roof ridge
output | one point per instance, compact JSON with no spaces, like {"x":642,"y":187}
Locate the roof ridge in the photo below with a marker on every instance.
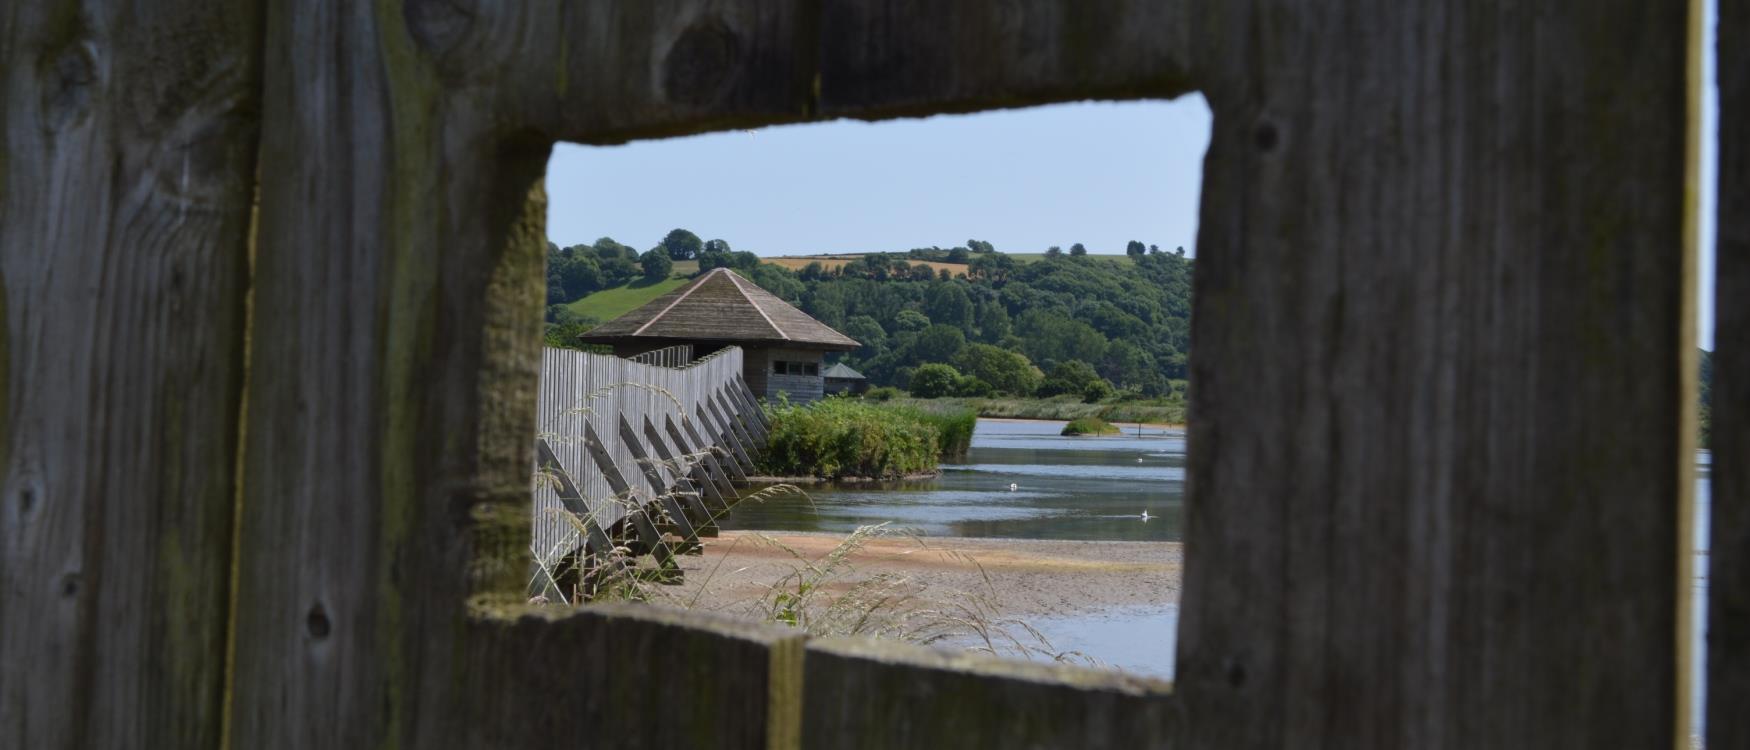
{"x":677,"y":300}
{"x":735,"y":278}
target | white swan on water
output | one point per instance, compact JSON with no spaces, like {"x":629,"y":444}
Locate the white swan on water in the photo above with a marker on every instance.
{"x":1145,"y":516}
{"x":1013,"y":486}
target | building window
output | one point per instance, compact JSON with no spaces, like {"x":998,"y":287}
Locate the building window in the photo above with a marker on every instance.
{"x":795,"y":368}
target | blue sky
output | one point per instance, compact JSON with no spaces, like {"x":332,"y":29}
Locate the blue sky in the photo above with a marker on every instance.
{"x":1099,"y":173}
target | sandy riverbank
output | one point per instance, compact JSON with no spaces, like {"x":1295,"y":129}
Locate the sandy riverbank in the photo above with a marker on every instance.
{"x":1011,"y":578}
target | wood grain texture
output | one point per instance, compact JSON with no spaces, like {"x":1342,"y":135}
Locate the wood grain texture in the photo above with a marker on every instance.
{"x":1433,"y":475}
{"x":864,"y":693}
{"x":1728,"y":607}
{"x":125,"y":169}
{"x":642,"y":677}
{"x":387,"y":468}
{"x":683,"y":66}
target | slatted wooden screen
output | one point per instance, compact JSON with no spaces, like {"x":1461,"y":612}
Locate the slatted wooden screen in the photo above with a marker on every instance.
{"x":272,"y":281}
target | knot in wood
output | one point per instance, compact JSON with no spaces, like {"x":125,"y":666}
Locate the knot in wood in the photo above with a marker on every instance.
{"x":1265,"y":136}
{"x":439,"y":26}
{"x":700,"y":63}
{"x":316,"y":622}
{"x":65,"y":78}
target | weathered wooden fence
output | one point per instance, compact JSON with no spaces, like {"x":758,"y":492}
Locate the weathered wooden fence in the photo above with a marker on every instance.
{"x":271,"y":280}
{"x":659,"y":443}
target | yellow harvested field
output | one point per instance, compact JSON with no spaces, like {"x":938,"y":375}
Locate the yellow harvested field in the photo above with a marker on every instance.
{"x":797,"y":262}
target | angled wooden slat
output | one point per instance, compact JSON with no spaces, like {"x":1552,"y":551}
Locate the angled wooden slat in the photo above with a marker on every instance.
{"x":635,"y":506}
{"x":691,"y":442}
{"x":735,"y":458}
{"x":752,"y":416}
{"x":671,"y":506}
{"x":748,"y":394}
{"x":694,"y":490}
{"x":595,"y":539}
{"x":737,"y":433}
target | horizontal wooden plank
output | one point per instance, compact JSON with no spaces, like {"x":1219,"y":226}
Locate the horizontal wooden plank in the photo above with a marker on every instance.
{"x":631,"y":676}
{"x":612,"y":71}
{"x":866,"y":693}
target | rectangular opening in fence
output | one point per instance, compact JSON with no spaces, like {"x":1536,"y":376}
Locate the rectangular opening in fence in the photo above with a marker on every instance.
{"x":922,"y":380}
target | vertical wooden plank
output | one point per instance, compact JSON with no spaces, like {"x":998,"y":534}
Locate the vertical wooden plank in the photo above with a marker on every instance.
{"x":1434,"y":478}
{"x":1728,"y":627}
{"x":387,"y":469}
{"x":127,"y":151}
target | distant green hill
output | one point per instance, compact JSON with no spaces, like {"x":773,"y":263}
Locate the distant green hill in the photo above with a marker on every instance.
{"x":608,"y":304}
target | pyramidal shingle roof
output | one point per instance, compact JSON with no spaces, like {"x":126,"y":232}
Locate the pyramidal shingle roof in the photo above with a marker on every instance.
{"x":721,"y":306}
{"x":842,"y":371}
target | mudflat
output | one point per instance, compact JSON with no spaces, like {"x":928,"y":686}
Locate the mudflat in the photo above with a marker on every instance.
{"x":1010,"y":578}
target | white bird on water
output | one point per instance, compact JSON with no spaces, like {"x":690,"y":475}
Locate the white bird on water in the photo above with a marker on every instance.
{"x":1145,"y":516}
{"x":1013,"y":486}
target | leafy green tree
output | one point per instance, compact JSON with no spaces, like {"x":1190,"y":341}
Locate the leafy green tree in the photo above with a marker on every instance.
{"x":993,"y":268}
{"x":656,"y":264}
{"x":959,"y":255}
{"x":1097,"y":391}
{"x":1077,"y":249}
{"x":778,"y":280}
{"x":1005,"y":371}
{"x":938,"y":343}
{"x":993,"y":320}
{"x":911,"y":320}
{"x":607,"y":249}
{"x":934,"y":380}
{"x":1135,"y":249}
{"x":681,"y":244}
{"x":1054,"y":252}
{"x":1070,"y":376}
{"x":715,"y":246}
{"x":866,"y":331}
{"x":1053,"y":338}
{"x":948,"y":304}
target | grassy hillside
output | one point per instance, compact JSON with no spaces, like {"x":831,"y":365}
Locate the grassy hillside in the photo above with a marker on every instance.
{"x":608,"y":304}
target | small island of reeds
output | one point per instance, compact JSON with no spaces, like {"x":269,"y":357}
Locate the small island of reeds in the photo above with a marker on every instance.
{"x":1088,"y":426}
{"x":847,"y":438}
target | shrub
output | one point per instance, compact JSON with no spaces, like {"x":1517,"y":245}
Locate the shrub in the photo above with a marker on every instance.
{"x":840,"y":437}
{"x":882,"y":393}
{"x":934,"y":381}
{"x":1096,"y":391}
{"x":1004,"y":370}
{"x":1089,"y":426}
{"x":973,"y":387}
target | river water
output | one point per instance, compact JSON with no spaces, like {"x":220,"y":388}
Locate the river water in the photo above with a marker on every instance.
{"x":1084,"y":488}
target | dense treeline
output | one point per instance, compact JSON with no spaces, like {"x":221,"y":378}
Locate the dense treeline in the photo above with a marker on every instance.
{"x":1061,"y":324}
{"x":992,"y":324}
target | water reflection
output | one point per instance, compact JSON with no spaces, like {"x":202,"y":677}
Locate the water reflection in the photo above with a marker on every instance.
{"x":1084,"y":488}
